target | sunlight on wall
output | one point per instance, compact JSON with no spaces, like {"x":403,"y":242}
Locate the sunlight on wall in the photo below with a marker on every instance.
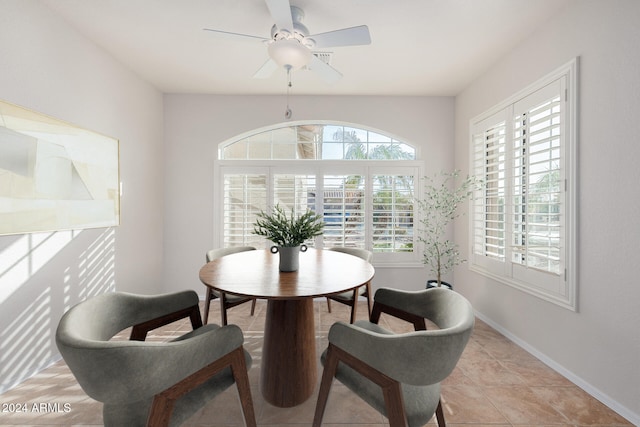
{"x":30,"y":309}
{"x":22,"y":259}
{"x":96,"y":272}
{"x":24,"y":341}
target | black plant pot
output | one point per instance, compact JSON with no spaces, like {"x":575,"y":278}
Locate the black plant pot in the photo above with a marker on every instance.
{"x":434,"y":284}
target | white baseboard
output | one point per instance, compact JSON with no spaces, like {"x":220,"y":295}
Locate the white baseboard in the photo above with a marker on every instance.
{"x":622,"y":410}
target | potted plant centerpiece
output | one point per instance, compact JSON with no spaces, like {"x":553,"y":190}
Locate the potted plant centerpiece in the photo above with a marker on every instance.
{"x":443,"y":194}
{"x":288,"y":233}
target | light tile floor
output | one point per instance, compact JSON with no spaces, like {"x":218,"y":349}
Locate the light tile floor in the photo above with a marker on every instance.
{"x":496,"y":384}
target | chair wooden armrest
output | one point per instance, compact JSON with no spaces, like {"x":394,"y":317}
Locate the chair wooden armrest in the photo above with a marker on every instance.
{"x":139,"y":331}
{"x":418,"y":322}
{"x":391,"y":388}
{"x":163,"y":403}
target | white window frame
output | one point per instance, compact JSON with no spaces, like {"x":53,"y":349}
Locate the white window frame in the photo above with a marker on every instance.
{"x":321,"y":168}
{"x":560,"y":289}
{"x":265,"y":136}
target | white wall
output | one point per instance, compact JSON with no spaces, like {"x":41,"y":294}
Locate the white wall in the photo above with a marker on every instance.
{"x":196,"y":124}
{"x":598,"y":347}
{"x":47,"y":67}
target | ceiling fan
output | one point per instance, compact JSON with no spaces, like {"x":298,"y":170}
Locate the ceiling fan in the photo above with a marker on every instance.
{"x":290,"y":45}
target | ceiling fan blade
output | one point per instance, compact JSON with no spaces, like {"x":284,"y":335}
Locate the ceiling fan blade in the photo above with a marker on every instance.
{"x":353,"y":36}
{"x":280,"y":11}
{"x":266,"y":70}
{"x":325,"y":71}
{"x":235,"y":36}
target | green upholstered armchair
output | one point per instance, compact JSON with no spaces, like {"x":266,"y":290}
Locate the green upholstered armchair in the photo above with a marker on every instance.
{"x":151,"y":383}
{"x":226,"y":300}
{"x":399,"y":374}
{"x":350,"y":298}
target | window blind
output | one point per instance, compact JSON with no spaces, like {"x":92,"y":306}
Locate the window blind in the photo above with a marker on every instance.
{"x":523,"y":219}
{"x":244,"y":196}
{"x":393,"y":213}
{"x":537,"y":192}
{"x":343,"y":204}
{"x":370,"y":207}
{"x":488,"y":214}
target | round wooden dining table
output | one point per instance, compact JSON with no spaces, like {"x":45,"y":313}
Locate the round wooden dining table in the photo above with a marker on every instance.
{"x":289,"y":360}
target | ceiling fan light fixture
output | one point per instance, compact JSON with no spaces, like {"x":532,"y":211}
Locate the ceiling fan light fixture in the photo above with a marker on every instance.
{"x":289,"y":53}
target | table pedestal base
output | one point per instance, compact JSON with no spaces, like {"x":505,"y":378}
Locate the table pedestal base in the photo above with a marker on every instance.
{"x":289,"y":368}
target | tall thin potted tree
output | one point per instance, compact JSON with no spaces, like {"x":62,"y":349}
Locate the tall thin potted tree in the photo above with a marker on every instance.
{"x":443,"y":194}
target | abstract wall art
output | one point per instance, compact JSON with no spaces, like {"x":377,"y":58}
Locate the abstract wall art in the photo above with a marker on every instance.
{"x":55,"y":176}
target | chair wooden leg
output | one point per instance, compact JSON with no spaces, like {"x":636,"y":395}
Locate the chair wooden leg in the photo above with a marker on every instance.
{"x":329,"y":305}
{"x":194,"y":317}
{"x":330,"y":367}
{"x":160,"y":412}
{"x":368,"y":296}
{"x":253,"y":306}
{"x":354,"y":305}
{"x":395,"y":405}
{"x":223,"y":309}
{"x":239,"y":369}
{"x":207,"y":304}
{"x":440,"y":415}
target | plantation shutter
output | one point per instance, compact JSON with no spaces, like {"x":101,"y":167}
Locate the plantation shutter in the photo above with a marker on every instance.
{"x":523,"y":224}
{"x":537,"y":179}
{"x":244,"y":196}
{"x":345,"y":194}
{"x":343,"y":204}
{"x":393,"y":213}
{"x":488,"y":213}
{"x":295,"y":192}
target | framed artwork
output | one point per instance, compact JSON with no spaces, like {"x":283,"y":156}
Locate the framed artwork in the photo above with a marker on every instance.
{"x":55,"y":176}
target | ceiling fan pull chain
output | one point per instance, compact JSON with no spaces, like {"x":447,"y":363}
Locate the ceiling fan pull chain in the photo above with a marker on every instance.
{"x":287,"y":112}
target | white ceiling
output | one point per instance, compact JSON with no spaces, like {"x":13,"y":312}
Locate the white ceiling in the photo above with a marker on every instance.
{"x":419,"y":47}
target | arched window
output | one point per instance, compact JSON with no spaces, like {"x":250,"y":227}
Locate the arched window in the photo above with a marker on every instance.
{"x":317,"y":142}
{"x":360,"y":180}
